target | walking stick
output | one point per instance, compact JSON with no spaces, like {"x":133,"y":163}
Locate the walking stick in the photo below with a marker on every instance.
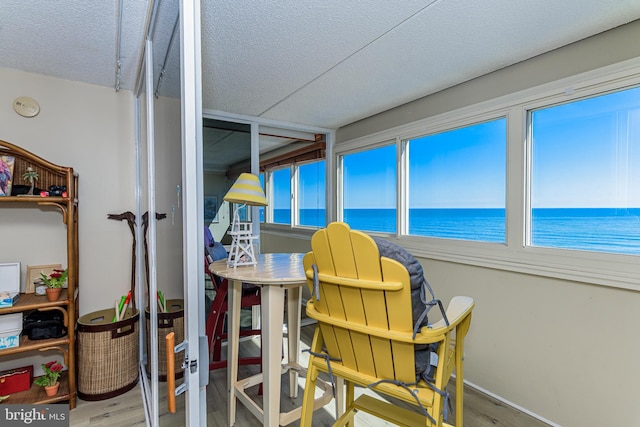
{"x":131,"y":220}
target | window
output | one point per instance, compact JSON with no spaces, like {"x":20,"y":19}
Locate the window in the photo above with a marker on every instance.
{"x":281,"y":205}
{"x":311,"y":194}
{"x":585,"y":174}
{"x":369,"y":189}
{"x":543,"y":181}
{"x":457,"y":183}
{"x":244,"y":212}
{"x":301,"y":187}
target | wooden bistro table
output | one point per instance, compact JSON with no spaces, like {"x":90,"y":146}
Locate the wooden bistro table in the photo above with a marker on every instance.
{"x":275,"y":273}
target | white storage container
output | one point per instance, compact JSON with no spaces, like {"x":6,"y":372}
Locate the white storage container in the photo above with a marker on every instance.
{"x":10,"y":330}
{"x":9,"y":282}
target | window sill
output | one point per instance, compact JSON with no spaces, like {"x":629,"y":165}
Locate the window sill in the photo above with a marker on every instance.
{"x":619,"y":271}
{"x":614,"y":270}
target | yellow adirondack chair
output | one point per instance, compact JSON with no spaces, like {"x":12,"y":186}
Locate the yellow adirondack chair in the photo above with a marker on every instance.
{"x":362,"y":303}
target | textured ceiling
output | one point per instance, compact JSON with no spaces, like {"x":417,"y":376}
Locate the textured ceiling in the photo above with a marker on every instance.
{"x":333,"y":62}
{"x":72,"y":39}
{"x":321,"y":63}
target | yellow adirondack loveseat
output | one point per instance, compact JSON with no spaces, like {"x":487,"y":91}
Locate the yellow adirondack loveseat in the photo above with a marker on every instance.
{"x":364,"y":334}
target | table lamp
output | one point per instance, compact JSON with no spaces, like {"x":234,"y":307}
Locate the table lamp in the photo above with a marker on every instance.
{"x":245,"y":191}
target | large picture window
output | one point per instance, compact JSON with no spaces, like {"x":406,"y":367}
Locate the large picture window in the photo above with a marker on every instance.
{"x":585,"y":174}
{"x":369,"y":189}
{"x":543,"y":181}
{"x":457,"y":183}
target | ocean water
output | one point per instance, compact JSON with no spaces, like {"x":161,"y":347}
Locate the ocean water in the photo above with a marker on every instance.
{"x":614,"y":230}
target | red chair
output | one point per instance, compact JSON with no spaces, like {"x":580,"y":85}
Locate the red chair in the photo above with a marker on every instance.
{"x":216,"y":320}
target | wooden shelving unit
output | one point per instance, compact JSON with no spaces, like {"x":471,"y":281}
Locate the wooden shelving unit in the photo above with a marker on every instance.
{"x":49,"y":174}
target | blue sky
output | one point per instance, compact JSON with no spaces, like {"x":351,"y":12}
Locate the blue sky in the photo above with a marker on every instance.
{"x":370,"y":179}
{"x":463,"y":168}
{"x":282,"y":190}
{"x":312,"y":185}
{"x":460,"y":168}
{"x":586,"y":154}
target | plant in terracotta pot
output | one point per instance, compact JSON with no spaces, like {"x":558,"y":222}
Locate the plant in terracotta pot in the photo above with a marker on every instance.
{"x":54,"y":283}
{"x":49,"y":380}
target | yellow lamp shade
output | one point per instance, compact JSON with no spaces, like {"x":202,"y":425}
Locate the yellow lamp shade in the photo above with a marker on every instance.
{"x":246,"y":190}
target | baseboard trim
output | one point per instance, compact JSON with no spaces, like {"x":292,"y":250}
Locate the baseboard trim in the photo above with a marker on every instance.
{"x":509,"y":403}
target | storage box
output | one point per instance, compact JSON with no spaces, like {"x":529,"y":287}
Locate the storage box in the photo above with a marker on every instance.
{"x":9,"y":282}
{"x":10,"y":329}
{"x":15,"y":380}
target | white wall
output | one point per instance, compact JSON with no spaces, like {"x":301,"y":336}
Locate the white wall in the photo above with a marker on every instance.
{"x":91,"y":129}
{"x":550,"y":346}
{"x":563,"y":350}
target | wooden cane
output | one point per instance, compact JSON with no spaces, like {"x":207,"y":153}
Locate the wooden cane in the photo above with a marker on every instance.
{"x":131,"y":220}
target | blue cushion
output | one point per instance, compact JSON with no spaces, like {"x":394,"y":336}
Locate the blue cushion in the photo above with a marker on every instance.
{"x":420,"y":306}
{"x":217,"y":251}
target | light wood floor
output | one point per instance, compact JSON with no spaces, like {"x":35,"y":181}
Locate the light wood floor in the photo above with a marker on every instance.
{"x":127,"y":410}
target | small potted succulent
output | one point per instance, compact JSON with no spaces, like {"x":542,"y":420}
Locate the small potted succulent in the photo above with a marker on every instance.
{"x":49,"y":380}
{"x":54,"y":283}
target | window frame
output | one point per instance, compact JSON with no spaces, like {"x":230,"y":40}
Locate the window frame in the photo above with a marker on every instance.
{"x":294,"y":206}
{"x":608,"y":269}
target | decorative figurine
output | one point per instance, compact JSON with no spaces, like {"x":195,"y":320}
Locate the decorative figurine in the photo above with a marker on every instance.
{"x":31,"y":177}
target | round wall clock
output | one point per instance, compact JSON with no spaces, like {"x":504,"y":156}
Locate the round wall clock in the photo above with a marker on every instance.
{"x":26,"y":107}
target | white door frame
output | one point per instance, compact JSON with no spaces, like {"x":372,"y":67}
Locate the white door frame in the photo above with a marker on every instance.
{"x":192,"y":199}
{"x":197,"y":373}
{"x":149,"y":386}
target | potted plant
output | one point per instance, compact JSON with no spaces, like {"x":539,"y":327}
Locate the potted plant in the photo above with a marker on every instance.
{"x":49,"y":380}
{"x":54,"y":283}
